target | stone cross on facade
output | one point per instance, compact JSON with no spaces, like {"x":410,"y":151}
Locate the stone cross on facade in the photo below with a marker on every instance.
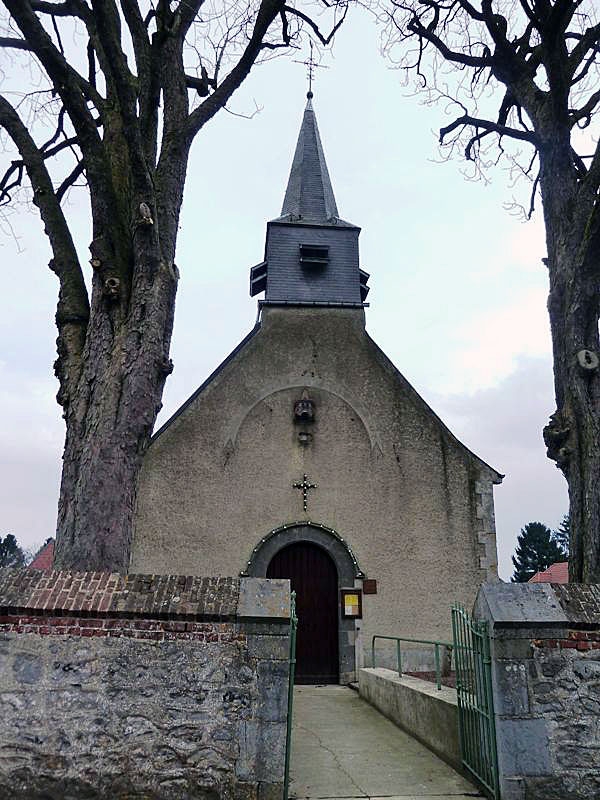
{"x":305,"y":485}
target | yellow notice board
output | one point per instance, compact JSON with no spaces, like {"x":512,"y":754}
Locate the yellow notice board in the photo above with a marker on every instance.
{"x":351,"y":603}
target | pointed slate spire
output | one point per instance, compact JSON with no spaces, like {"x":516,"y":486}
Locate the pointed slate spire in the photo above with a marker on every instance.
{"x":309,"y":195}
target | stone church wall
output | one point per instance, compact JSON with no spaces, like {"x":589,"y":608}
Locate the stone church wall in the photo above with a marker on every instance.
{"x":412,"y":503}
{"x":164,"y":688}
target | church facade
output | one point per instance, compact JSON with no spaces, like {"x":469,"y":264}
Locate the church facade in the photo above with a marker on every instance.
{"x":308,"y":455}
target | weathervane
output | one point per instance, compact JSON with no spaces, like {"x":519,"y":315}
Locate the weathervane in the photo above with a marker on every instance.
{"x":311,"y":65}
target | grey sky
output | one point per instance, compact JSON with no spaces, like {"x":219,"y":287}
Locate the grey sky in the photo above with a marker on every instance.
{"x":457,"y":285}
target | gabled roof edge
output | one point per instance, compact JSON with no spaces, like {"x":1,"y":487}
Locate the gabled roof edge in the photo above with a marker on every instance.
{"x":203,"y":385}
{"x":498,"y":476}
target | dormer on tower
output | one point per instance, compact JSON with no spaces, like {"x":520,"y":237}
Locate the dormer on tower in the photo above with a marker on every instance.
{"x":311,"y":255}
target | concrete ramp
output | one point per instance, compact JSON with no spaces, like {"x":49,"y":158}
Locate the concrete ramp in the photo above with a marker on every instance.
{"x":344,"y":748}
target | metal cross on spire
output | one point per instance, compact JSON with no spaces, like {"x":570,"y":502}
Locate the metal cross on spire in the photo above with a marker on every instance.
{"x":305,"y":485}
{"x":311,"y":65}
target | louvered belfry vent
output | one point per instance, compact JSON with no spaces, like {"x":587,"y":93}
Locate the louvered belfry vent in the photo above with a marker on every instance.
{"x":258,"y":278}
{"x":314,"y":256}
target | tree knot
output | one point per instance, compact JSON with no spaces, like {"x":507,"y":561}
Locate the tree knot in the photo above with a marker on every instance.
{"x":556,"y":435}
{"x":145,"y":215}
{"x":166,"y":366}
{"x":112,"y":288}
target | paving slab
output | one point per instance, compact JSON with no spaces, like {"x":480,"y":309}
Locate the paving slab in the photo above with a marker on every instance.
{"x":344,"y":749}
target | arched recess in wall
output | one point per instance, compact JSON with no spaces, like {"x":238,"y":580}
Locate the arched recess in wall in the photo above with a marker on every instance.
{"x":348,"y":571}
{"x":352,"y":401}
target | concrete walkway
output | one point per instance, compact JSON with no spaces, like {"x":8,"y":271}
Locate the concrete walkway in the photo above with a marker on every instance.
{"x":344,"y":748}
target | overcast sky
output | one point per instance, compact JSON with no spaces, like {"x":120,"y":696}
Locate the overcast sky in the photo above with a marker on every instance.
{"x":458,"y":289}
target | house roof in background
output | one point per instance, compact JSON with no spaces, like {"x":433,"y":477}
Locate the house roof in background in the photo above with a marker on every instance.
{"x":44,"y":557}
{"x":556,"y":573}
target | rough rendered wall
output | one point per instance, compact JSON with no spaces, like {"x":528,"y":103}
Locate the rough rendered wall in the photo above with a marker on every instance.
{"x":414,"y":505}
{"x":159,"y":704}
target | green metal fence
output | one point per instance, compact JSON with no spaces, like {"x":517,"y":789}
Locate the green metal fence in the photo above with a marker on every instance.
{"x":475,"y":700}
{"x":292,"y":671}
{"x":436,"y":645}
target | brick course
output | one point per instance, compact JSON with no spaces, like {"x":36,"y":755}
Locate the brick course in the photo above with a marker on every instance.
{"x":575,"y":640}
{"x":110,"y":594}
{"x":156,"y":630}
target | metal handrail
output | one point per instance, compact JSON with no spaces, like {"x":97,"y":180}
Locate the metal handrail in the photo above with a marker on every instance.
{"x":398,"y":639}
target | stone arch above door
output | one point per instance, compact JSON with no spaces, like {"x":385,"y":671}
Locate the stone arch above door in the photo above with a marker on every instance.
{"x":327,"y":538}
{"x":346,"y":564}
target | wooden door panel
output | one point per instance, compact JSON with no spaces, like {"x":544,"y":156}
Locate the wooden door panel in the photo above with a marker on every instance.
{"x":313,"y":577}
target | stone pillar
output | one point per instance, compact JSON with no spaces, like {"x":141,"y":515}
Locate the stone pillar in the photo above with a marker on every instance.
{"x":162,"y":687}
{"x":546,"y":684}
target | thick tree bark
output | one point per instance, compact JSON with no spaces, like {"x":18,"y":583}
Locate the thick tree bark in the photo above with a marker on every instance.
{"x":573,"y":434}
{"x":112,"y":411}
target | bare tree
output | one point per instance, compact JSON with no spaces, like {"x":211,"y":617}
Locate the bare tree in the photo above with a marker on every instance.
{"x":520,"y":79}
{"x":128,"y":85}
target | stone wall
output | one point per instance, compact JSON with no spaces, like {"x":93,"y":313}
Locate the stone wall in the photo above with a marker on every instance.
{"x":546,"y":683}
{"x":156,"y":687}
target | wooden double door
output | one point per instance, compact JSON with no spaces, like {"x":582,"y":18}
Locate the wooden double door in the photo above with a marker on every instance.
{"x":313,"y":576}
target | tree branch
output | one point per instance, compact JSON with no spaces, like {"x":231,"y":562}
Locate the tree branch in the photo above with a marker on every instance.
{"x":16,"y":44}
{"x":268,"y":11}
{"x":589,"y":39}
{"x":69,"y":181}
{"x":586,"y":110}
{"x":73,"y":89}
{"x":416,"y":26}
{"x":64,"y":9}
{"x":5,"y":184}
{"x":73,"y":305}
{"x":325,"y":40}
{"x":488,"y":125}
{"x":185,"y":14}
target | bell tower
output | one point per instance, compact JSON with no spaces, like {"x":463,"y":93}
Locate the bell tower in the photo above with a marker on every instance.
{"x":311,"y":254}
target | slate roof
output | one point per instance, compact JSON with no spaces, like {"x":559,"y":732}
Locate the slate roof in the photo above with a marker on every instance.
{"x":309,"y":196}
{"x":556,"y":573}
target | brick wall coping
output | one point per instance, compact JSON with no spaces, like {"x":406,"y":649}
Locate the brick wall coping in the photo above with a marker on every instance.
{"x":110,"y":595}
{"x":514,"y":605}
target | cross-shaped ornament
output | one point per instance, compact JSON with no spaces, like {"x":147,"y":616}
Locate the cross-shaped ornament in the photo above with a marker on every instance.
{"x":305,"y":485}
{"x":311,"y":65}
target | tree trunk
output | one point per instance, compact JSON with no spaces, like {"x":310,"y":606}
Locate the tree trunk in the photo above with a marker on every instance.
{"x":573,"y":434}
{"x":112,"y":410}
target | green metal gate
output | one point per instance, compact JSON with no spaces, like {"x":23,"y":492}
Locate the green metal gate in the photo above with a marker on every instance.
{"x":475,"y":700}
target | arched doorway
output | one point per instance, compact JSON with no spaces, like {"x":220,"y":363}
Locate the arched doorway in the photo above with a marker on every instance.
{"x":313,"y":576}
{"x":347,"y":570}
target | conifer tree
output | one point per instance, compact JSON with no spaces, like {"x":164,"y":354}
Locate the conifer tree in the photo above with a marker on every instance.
{"x":536,"y":550}
{"x":563,"y":533}
{"x":11,"y":555}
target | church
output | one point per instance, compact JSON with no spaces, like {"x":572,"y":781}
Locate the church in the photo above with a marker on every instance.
{"x":307,"y":455}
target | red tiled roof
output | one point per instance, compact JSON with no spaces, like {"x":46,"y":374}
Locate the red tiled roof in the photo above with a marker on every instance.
{"x":44,"y":557}
{"x":556,"y":573}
